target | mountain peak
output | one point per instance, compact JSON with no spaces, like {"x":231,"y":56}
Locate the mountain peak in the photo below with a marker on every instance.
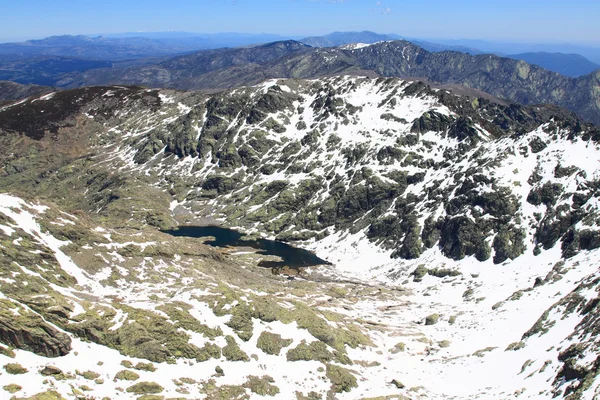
{"x":285,"y":44}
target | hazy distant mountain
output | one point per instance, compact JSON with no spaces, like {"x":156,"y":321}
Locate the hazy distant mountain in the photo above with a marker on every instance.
{"x":211,"y":40}
{"x":592,"y":53}
{"x":44,"y":70}
{"x":572,"y":65}
{"x":131,"y":45}
{"x":436,"y":47}
{"x":101,"y":48}
{"x":342,"y":38}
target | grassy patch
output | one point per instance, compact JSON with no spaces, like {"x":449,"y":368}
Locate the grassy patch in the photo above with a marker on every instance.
{"x":399,"y":347}
{"x":89,"y":375}
{"x":141,"y":366}
{"x":341,"y":379}
{"x":272,"y":343}
{"x":12,"y":388}
{"x":261,"y":386}
{"x":7,"y":351}
{"x":232,"y":351}
{"x":225,"y":392}
{"x":432,"y":319}
{"x":145,"y":388}
{"x":314,"y":351}
{"x":15,"y":369}
{"x":126,"y":375}
{"x":48,"y":395}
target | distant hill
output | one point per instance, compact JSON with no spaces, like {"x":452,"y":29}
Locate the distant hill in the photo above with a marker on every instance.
{"x":341,"y":38}
{"x":505,"y":78}
{"x":15,"y":91}
{"x":44,"y":70}
{"x":130,"y":46}
{"x":591,"y":52}
{"x":336,"y":39}
{"x":98,"y":48}
{"x":573,"y":65}
{"x":437,"y":47}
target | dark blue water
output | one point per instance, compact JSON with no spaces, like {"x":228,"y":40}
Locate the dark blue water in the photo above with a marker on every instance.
{"x":292,"y":257}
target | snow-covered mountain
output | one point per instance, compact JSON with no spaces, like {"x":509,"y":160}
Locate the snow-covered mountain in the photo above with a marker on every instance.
{"x":462,"y":235}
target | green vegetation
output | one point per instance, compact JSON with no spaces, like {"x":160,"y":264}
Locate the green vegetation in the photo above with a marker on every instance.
{"x":272,"y":343}
{"x":261,"y":386}
{"x":48,"y":395}
{"x":126,"y":375}
{"x":145,"y":388}
{"x":8,"y":352}
{"x":225,"y":392}
{"x":515,"y":346}
{"x":232,"y":351}
{"x":399,"y":347}
{"x":141,"y":366}
{"x":12,"y":388}
{"x":316,"y":351}
{"x":151,"y":397}
{"x":90,"y":375}
{"x":15,"y":369}
{"x":341,"y":379}
{"x":432,"y":319}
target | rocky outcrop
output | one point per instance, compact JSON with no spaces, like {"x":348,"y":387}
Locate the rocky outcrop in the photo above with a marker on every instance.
{"x":30,"y":332}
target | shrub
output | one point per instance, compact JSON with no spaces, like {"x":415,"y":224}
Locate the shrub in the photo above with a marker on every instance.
{"x":232,"y":351}
{"x":432,"y":319}
{"x":272,"y":343}
{"x":261,"y":386}
{"x":126,"y":375}
{"x":316,"y":351}
{"x":145,"y":367}
{"x":89,"y":375}
{"x":12,"y":388}
{"x":15,"y":369}
{"x":341,"y":379}
{"x":145,"y":388}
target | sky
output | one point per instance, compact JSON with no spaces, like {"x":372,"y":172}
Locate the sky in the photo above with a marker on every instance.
{"x":533,"y":21}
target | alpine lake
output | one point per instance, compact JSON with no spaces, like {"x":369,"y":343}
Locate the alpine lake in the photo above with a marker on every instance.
{"x":292,"y":258}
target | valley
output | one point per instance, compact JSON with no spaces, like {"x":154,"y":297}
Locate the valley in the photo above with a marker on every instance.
{"x":462,"y":234}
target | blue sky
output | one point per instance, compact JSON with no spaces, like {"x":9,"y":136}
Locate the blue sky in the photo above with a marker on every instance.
{"x":555,"y":21}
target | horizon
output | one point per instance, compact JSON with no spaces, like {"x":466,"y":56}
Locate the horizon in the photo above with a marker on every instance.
{"x":440,"y":40}
{"x":537,"y":22}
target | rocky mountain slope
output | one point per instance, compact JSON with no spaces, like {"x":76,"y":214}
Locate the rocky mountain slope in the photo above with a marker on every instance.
{"x":15,"y":91}
{"x":463,"y":236}
{"x":502,"y":77}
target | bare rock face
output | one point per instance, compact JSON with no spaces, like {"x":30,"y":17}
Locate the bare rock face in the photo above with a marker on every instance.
{"x":30,"y":332}
{"x":50,"y":370}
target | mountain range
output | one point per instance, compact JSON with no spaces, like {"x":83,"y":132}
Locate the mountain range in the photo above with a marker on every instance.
{"x":572,"y":65}
{"x":505,"y":78}
{"x":461,"y":234}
